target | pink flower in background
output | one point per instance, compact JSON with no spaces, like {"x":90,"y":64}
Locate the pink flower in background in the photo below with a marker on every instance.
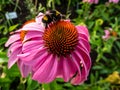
{"x":114,"y":1}
{"x":91,"y":1}
{"x":15,"y":42}
{"x":107,"y":35}
{"x":59,"y":51}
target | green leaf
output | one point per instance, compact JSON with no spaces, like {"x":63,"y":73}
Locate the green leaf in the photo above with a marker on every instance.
{"x":52,"y":86}
{"x":31,"y":84}
{"x":46,"y":86}
{"x":11,"y":28}
{"x":1,"y":27}
{"x":49,"y":3}
{"x":3,"y":40}
{"x":3,"y":57}
{"x":4,"y":80}
{"x":97,"y":67}
{"x":13,"y":71}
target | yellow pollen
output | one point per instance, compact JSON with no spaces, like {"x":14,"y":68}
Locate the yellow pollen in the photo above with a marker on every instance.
{"x":22,"y":34}
{"x":61,"y":38}
{"x":45,"y":18}
{"x":57,"y":13}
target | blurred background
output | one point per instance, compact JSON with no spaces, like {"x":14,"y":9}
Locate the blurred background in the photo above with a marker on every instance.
{"x":103,"y":22}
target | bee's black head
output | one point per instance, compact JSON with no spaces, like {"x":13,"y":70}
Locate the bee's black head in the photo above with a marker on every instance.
{"x":51,"y":16}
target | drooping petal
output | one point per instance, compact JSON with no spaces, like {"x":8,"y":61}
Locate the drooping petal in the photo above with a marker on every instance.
{"x":53,"y":72}
{"x":40,"y":60}
{"x":66,"y":70}
{"x":30,"y":57}
{"x":81,"y":56}
{"x":12,"y":39}
{"x":24,"y":69}
{"x":69,"y":68}
{"x":77,"y":77}
{"x":84,"y":43}
{"x":47,"y":71}
{"x":32,"y":34}
{"x":33,"y":27}
{"x":32,"y":45}
{"x":13,"y":58}
{"x":84,"y":57}
{"x":60,"y":68}
{"x":65,"y":65}
{"x":13,"y":47}
{"x":83,"y":30}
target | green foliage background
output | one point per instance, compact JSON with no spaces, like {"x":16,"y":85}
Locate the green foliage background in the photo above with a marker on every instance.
{"x":105,"y":54}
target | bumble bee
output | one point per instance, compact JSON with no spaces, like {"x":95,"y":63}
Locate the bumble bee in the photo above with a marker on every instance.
{"x":51,"y":16}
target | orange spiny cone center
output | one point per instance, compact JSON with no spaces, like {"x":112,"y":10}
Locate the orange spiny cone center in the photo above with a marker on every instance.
{"x":61,"y":38}
{"x":22,"y":34}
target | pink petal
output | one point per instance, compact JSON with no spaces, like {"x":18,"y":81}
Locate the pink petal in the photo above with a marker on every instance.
{"x":40,"y":60}
{"x":81,"y":35}
{"x":32,"y":45}
{"x":60,"y":68}
{"x":12,"y":39}
{"x":84,"y":43}
{"x":33,"y":34}
{"x":53,"y":71}
{"x":24,"y":69}
{"x":107,"y":34}
{"x":83,"y":30}
{"x":114,"y":1}
{"x":66,"y":70}
{"x":33,"y":27}
{"x":72,"y":66}
{"x":76,"y":80}
{"x":13,"y":58}
{"x":39,"y":17}
{"x":30,"y":57}
{"x":69,"y":68}
{"x":13,"y":47}
{"x":47,"y":71}
{"x":84,"y":57}
{"x":81,"y":55}
{"x":41,"y":55}
{"x":96,"y":1}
